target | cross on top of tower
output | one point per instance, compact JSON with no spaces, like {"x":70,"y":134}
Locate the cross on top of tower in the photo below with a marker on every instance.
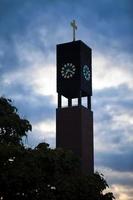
{"x":74,"y":26}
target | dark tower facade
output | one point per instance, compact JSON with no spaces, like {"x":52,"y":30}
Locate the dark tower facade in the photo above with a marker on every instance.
{"x":74,"y":124}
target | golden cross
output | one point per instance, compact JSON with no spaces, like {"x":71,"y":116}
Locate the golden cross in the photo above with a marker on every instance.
{"x":73,"y":24}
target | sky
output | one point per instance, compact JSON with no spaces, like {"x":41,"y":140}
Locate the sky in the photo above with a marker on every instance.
{"x":29,"y":33}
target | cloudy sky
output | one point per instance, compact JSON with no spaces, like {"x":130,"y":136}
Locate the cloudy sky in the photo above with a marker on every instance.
{"x":29,"y":32}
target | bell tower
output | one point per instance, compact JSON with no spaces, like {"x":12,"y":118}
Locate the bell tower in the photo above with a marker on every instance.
{"x":74,"y":124}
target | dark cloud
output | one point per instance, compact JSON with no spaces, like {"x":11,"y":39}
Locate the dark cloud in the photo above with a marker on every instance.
{"x":33,"y":106}
{"x":119,"y":98}
{"x":111,"y":19}
{"x":110,"y":103}
{"x":20,"y":22}
{"x":122,"y":162}
{"x":110,"y":24}
{"x":37,"y":108}
{"x":29,"y":21}
{"x":8,"y":58}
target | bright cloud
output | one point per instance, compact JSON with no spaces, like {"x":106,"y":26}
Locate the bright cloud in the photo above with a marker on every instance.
{"x":122,"y":192}
{"x":46,"y":128}
{"x":111,"y":72}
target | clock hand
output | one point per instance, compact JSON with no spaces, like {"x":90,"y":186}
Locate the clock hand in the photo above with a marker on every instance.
{"x":67,"y":71}
{"x":70,"y":71}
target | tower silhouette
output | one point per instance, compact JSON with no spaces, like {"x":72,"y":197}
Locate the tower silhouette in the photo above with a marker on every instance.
{"x":74,"y":123}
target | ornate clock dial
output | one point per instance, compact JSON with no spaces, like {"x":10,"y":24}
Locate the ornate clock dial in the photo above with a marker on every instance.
{"x":86,"y":72}
{"x":68,"y":70}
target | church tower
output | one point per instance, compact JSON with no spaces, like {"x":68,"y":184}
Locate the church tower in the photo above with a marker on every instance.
{"x":74,"y":124}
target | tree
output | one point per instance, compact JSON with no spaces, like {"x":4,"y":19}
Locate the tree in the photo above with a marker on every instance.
{"x":40,"y":173}
{"x":44,"y":173}
{"x":12,"y":127}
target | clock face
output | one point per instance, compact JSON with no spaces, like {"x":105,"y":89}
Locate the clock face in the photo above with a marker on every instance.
{"x":68,"y":70}
{"x":86,"y":72}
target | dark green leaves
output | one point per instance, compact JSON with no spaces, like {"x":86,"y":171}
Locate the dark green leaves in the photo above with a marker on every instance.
{"x":12,"y":127}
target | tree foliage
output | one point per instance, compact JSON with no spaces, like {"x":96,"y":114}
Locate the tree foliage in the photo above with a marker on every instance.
{"x":42,"y":173}
{"x":12,"y":127}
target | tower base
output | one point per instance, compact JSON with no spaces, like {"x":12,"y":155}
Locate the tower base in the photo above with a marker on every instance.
{"x":74,"y":131}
